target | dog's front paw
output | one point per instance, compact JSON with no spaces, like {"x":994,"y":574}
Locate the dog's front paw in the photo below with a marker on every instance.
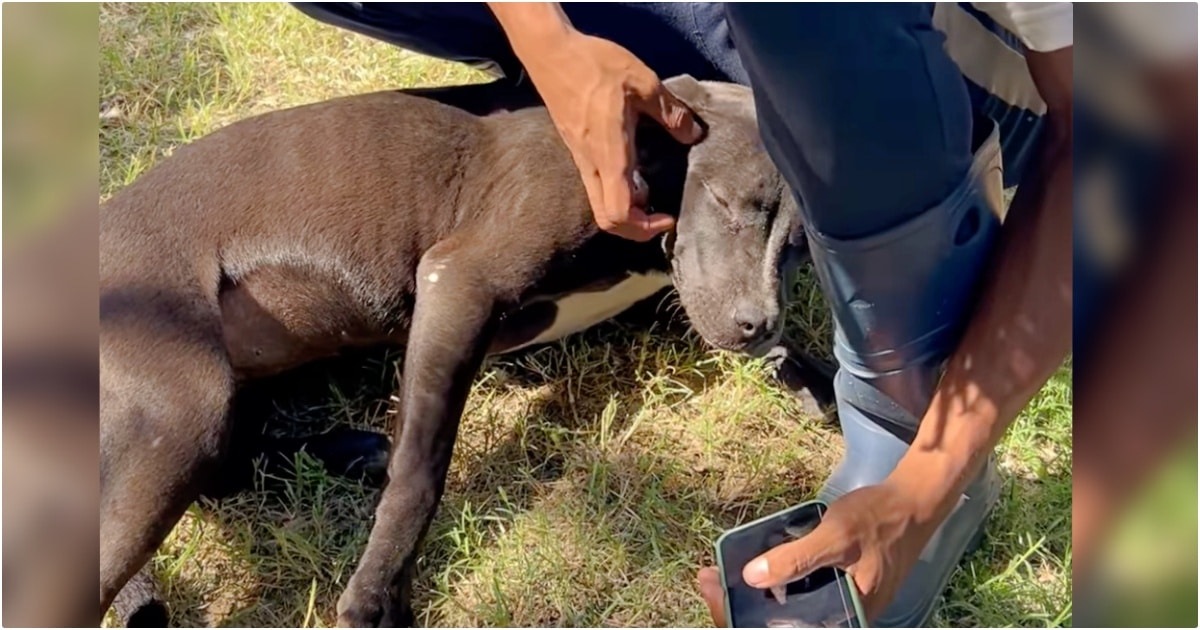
{"x":359,"y":618}
{"x":358,"y":610}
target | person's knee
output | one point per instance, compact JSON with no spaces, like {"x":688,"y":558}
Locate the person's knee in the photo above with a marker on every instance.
{"x":866,"y":114}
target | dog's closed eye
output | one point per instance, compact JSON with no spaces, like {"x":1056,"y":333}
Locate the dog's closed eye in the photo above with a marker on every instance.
{"x":736,"y":218}
{"x":719,"y":198}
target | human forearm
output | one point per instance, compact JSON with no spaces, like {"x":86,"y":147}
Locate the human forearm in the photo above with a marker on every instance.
{"x":1019,"y":335}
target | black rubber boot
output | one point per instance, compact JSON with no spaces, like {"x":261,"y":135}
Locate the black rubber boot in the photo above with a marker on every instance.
{"x":902,"y":298}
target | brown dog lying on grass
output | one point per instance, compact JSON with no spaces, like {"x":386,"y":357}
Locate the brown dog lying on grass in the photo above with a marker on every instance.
{"x":448,"y":222}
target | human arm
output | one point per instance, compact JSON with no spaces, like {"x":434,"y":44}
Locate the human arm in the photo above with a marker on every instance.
{"x":1021,"y":330}
{"x":594,"y":90}
{"x":1018,"y":336}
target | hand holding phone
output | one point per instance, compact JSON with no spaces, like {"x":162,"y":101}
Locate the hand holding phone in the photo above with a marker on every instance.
{"x":824,"y":599}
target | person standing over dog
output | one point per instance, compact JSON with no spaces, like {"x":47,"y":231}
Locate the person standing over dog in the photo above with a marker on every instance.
{"x":946,"y":323}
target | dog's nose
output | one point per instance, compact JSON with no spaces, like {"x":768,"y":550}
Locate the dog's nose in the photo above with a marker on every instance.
{"x":751,"y":320}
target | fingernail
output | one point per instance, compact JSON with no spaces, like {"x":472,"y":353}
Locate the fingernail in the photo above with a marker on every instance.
{"x":756,"y":572}
{"x":678,"y":114}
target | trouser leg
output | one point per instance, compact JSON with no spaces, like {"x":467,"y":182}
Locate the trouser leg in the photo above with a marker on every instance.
{"x":463,"y":32}
{"x":671,"y":38}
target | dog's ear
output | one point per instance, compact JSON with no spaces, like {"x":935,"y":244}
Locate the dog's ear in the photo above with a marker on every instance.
{"x":688,"y":90}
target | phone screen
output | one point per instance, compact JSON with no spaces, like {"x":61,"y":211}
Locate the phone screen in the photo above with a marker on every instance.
{"x":821,"y":600}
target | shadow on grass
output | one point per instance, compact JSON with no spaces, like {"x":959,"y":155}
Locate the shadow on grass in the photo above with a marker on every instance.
{"x":294,"y":541}
{"x":322,"y":521}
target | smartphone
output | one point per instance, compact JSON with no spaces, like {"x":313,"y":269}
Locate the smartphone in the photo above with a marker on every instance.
{"x":825,"y":599}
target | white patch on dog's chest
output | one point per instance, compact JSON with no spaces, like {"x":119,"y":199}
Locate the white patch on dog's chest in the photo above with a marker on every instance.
{"x":580,"y":311}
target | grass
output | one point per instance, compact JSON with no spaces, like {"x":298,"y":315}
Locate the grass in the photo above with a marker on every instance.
{"x":591,"y":477}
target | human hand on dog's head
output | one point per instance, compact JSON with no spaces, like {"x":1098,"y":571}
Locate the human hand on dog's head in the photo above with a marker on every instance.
{"x":595,"y":91}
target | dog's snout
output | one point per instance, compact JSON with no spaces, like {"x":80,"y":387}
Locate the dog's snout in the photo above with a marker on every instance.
{"x":752,"y":321}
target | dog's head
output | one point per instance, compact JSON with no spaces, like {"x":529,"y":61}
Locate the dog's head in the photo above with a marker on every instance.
{"x":736,"y":222}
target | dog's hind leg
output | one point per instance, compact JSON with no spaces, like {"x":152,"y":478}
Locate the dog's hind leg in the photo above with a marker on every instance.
{"x":356,"y":454}
{"x":806,"y":377}
{"x":163,"y":428}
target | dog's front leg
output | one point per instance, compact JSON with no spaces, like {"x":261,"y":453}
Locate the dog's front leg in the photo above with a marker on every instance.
{"x":453,"y":321}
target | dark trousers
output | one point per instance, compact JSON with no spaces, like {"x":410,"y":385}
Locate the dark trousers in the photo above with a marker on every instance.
{"x":670,"y":38}
{"x":864,"y":112}
{"x":872,"y":117}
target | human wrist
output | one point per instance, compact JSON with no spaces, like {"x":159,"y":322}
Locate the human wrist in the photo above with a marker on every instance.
{"x":926,"y":480}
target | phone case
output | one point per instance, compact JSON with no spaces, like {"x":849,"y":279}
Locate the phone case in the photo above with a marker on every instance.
{"x":855,"y":600}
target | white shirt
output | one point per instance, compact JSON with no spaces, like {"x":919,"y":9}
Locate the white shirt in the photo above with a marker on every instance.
{"x":989,"y":43}
{"x":981,"y":42}
{"x":1041,"y":26}
{"x":1153,"y":32}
